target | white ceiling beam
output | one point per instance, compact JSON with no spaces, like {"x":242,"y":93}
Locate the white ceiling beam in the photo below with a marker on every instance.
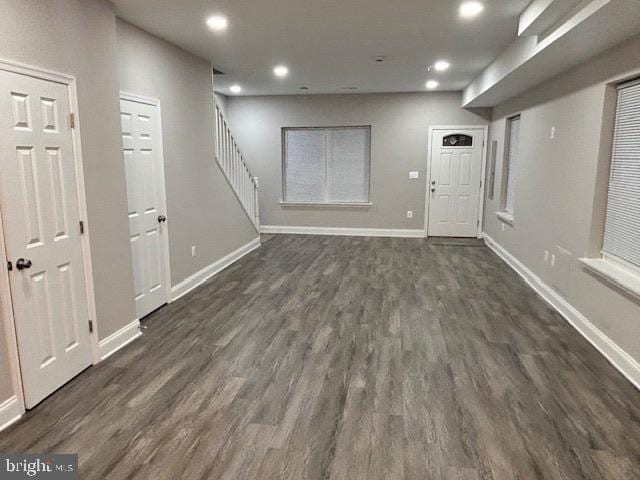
{"x":541,"y":15}
{"x":530,"y":61}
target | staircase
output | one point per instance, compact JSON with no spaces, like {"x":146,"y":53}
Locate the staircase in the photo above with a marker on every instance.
{"x":235,"y":169}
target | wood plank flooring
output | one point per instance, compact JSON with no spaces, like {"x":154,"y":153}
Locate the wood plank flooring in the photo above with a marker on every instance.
{"x":349,"y":358}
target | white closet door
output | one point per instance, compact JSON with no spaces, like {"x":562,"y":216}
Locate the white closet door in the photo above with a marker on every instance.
{"x":142,"y":144}
{"x":40,"y":214}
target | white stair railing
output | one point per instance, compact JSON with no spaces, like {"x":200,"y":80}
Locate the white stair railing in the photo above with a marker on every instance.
{"x":232,"y":163}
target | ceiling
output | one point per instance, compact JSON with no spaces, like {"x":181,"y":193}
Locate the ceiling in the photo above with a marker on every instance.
{"x":330,"y":46}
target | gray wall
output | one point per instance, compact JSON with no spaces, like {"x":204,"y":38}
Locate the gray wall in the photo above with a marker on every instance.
{"x":561,"y":186}
{"x":399,"y":138}
{"x":77,"y":37}
{"x":202,"y":209}
{"x":221,"y":101}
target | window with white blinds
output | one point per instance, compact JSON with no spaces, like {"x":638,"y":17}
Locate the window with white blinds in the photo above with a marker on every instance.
{"x":622,"y":228}
{"x":326,"y":165}
{"x":511,"y":170}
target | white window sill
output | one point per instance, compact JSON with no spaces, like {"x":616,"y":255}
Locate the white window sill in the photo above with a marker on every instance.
{"x":330,"y":205}
{"x":621,"y":277}
{"x":505,"y":217}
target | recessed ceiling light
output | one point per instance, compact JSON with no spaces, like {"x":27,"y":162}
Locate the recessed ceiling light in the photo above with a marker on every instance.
{"x":217,"y":23}
{"x":235,"y":88}
{"x":471,"y":9}
{"x":441,"y":65}
{"x":281,"y":71}
{"x":431,"y":84}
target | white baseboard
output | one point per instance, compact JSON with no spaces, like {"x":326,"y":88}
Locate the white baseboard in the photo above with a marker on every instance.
{"x":209,"y":271}
{"x":119,"y":339}
{"x":10,"y":412}
{"x":620,"y":359}
{"x":355,"y":232}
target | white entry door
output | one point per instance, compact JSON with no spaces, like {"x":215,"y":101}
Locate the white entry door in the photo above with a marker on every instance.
{"x":455,"y":182}
{"x":142,"y":142}
{"x":41,"y":218}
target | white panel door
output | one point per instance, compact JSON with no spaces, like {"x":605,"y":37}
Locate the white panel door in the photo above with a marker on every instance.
{"x":141,"y":140}
{"x":454,"y":189}
{"x":40,"y":214}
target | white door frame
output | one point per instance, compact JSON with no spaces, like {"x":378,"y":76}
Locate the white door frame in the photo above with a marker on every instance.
{"x":427,"y":203}
{"x":132,"y":97}
{"x":7,"y":308}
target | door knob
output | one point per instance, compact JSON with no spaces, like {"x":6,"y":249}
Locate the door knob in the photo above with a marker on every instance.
{"x":21,"y":264}
{"x":162,"y":218}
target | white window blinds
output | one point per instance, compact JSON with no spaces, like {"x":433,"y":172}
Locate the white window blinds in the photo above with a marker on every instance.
{"x":305,"y":167}
{"x":512,"y":163}
{"x":622,"y":228}
{"x":326,"y":165}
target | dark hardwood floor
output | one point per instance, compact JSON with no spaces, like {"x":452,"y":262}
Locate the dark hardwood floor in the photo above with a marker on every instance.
{"x":349,"y":358}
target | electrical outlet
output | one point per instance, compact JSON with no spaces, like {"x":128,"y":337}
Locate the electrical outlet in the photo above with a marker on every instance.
{"x":414,"y":175}
{"x":503,"y":226}
{"x":546,"y":256}
{"x":193,"y":251}
{"x":552,"y":134}
{"x":409,"y":214}
{"x":553,"y":259}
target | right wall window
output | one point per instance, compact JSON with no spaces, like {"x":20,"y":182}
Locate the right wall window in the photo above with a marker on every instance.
{"x":622,"y":227}
{"x":510,"y":170}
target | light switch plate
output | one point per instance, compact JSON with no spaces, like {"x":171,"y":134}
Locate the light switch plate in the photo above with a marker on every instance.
{"x":409,"y":214}
{"x":414,"y":175}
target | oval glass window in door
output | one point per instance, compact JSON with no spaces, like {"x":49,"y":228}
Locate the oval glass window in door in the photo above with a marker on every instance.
{"x":457,"y":140}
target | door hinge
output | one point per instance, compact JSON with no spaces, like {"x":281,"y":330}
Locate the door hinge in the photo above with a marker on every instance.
{"x":72,"y":120}
{"x":81,"y":227}
{"x":90,"y":326}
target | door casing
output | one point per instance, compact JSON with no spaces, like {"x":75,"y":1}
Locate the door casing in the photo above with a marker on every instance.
{"x":483,"y":171}
{"x":5,"y":291}
{"x":132,"y":97}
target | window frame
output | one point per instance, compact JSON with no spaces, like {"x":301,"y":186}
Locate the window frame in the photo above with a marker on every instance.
{"x":327,"y":202}
{"x":608,"y":256}
{"x":504,"y":214}
{"x":610,"y":268}
{"x":621,"y":263}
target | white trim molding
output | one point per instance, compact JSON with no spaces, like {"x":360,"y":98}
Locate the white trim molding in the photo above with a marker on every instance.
{"x":351,"y":232}
{"x":11,"y":411}
{"x":119,"y":339}
{"x":134,"y":97}
{"x":209,"y":271}
{"x":615,"y":274}
{"x":505,"y":217}
{"x":620,"y":359}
